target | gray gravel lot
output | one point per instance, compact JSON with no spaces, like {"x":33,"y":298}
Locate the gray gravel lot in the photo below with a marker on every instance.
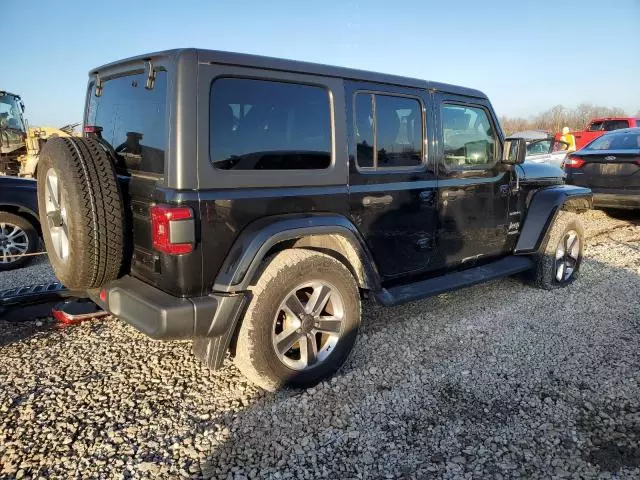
{"x":496,"y":381}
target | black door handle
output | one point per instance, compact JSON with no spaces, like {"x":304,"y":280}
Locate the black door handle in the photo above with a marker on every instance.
{"x":383,"y":200}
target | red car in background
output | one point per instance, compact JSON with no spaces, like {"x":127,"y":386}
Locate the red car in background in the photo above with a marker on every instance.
{"x":600,"y":126}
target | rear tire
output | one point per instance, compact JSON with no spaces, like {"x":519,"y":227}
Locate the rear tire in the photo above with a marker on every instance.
{"x":563,"y":245}
{"x":81,"y":212}
{"x":18,"y":236}
{"x":269,"y":325}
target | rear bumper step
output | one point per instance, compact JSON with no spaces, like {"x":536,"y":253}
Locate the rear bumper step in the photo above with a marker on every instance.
{"x":164,"y":317}
{"x":452,"y":281}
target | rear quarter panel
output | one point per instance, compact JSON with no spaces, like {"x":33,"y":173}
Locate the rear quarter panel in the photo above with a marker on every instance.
{"x":229,"y":200}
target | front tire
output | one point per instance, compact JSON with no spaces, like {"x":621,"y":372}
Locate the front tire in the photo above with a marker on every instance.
{"x":301,"y":323}
{"x":558,"y":260}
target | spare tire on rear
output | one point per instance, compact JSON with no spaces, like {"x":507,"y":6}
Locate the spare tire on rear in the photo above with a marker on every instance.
{"x":81,"y":212}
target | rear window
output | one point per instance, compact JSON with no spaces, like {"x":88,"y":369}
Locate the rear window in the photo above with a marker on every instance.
{"x":267,"y":125}
{"x":133,"y":120}
{"x":616,"y":141}
{"x":615,"y":124}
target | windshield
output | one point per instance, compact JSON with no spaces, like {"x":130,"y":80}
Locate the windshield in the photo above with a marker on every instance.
{"x":617,"y":141}
{"x":10,"y":112}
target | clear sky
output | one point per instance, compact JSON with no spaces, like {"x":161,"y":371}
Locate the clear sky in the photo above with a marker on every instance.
{"x":527,"y":56}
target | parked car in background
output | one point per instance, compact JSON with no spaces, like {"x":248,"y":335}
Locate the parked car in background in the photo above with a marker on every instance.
{"x":610,"y":166}
{"x":599,"y":126}
{"x":19,"y":225}
{"x":543,"y":148}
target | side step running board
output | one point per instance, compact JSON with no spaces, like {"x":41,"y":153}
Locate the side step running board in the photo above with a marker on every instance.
{"x":452,"y":281}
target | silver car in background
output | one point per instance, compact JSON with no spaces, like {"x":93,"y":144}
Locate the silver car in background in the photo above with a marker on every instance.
{"x":543,"y":148}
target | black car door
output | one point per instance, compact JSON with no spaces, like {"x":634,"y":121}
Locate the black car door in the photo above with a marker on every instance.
{"x":392,"y":180}
{"x":473,"y":185}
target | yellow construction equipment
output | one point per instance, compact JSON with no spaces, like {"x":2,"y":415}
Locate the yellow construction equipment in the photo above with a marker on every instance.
{"x":20,"y":144}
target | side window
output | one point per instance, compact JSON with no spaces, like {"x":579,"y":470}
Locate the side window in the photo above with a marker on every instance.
{"x":540,"y":147}
{"x":469,"y":138}
{"x":594,"y":127}
{"x":388,"y":131}
{"x":610,"y":125}
{"x":364,"y":130}
{"x":268,"y":125}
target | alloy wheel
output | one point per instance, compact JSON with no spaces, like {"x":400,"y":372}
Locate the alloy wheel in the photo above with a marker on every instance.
{"x":14,"y":242}
{"x":567,"y":255}
{"x":308,"y":325}
{"x":56,"y":215}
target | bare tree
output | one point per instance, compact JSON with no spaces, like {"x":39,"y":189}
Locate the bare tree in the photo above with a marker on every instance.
{"x":553,"y":119}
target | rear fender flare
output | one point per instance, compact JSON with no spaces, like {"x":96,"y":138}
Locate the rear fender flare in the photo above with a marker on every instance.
{"x":542,"y":210}
{"x":321,"y":231}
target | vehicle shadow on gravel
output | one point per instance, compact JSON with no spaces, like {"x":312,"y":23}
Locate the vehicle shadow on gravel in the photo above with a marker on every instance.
{"x":494,"y":380}
{"x":18,"y":331}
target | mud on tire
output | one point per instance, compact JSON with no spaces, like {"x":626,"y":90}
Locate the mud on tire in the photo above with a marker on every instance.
{"x":544,"y":273}
{"x":88,"y":210}
{"x":256,"y":355}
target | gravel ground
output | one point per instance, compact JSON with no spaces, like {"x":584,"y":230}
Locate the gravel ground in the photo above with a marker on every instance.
{"x":498,"y":380}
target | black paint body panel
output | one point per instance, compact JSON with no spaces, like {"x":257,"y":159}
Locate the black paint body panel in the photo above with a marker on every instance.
{"x":544,"y":205}
{"x":402,"y":224}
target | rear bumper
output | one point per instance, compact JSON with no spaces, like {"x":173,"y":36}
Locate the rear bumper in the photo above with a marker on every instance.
{"x":615,"y":198}
{"x":164,"y":317}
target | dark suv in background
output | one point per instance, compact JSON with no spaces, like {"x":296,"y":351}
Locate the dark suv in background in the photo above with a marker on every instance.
{"x":259,"y":199}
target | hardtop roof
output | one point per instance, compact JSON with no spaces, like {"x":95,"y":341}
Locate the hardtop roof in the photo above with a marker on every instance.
{"x":272,"y":63}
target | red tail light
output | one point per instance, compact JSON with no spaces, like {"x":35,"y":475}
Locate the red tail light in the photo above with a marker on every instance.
{"x":164,"y":218}
{"x":92,"y":130}
{"x":574,"y":162}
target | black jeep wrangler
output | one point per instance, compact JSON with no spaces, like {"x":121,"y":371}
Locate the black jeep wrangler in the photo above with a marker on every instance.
{"x":249,"y":203}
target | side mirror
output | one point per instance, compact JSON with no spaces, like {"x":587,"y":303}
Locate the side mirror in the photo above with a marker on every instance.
{"x":514,"y":151}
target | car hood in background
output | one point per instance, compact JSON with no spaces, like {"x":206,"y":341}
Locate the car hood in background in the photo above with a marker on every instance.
{"x":540,"y":173}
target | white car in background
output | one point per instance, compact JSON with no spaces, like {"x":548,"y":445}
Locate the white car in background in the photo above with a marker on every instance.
{"x":543,"y":148}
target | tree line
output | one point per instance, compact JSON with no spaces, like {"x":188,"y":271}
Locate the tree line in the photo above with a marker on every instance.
{"x":555,"y":118}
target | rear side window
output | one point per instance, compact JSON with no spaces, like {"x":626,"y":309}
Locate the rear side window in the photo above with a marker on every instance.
{"x":388,"y":131}
{"x":469,"y":137}
{"x":133,"y":120}
{"x":616,"y":141}
{"x":615,"y":125}
{"x":266,"y":125}
{"x":594,"y":127}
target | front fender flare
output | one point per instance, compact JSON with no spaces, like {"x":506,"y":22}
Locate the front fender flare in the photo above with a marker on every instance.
{"x":255,"y":241}
{"x":542,"y":210}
